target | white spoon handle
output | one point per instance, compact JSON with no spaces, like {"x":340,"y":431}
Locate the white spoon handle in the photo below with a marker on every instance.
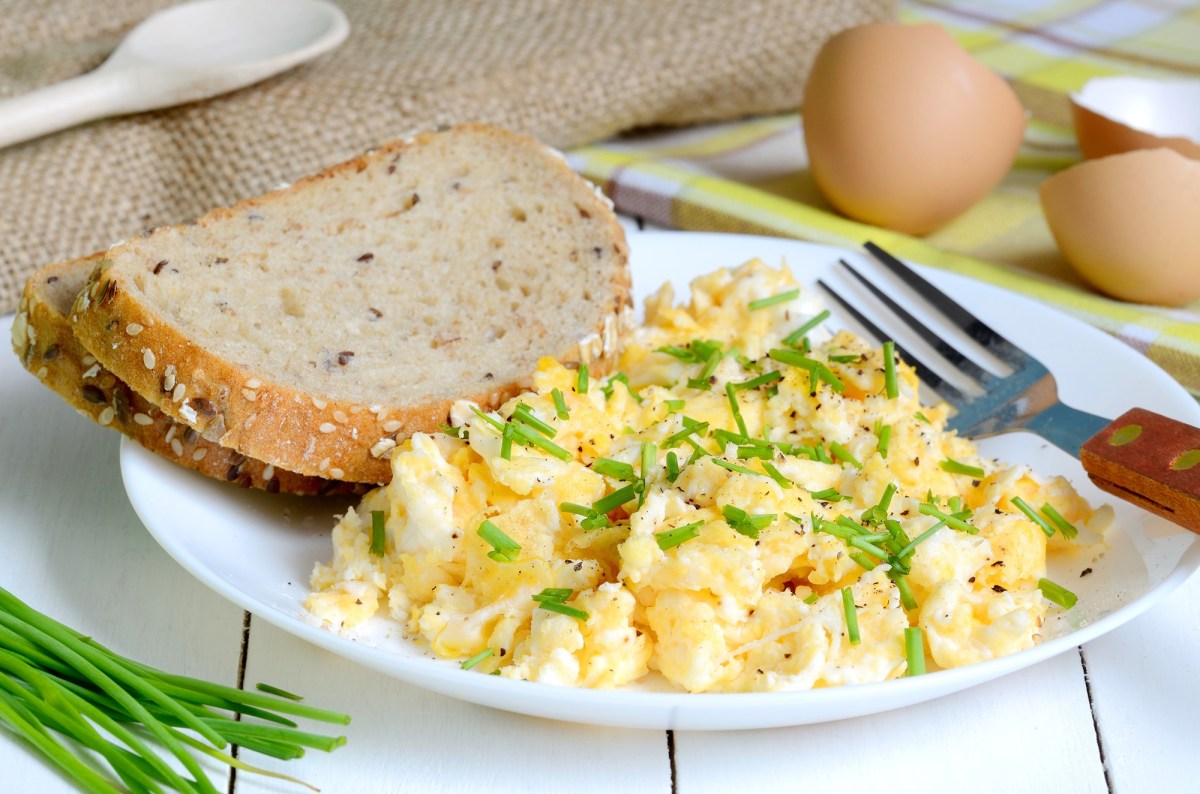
{"x":56,"y":107}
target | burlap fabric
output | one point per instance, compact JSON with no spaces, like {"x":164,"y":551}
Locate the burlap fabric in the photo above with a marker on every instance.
{"x":567,"y":71}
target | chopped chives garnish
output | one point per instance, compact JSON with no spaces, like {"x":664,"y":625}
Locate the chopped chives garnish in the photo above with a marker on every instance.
{"x":727,"y":437}
{"x":504,"y":548}
{"x":921,"y":417}
{"x":745,"y":524}
{"x":885,"y":438}
{"x":675,"y":405}
{"x":851,"y":615}
{"x":621,"y":377}
{"x":795,"y":336}
{"x":506,"y":439}
{"x":710,"y":364}
{"x":618,"y":470}
{"x":672,"y":467}
{"x":581,"y":380}
{"x":1032,"y":516}
{"x":681,"y":353}
{"x":862,"y":544}
{"x":811,"y":598}
{"x":476,"y":659}
{"x":554,"y":594}
{"x":762,"y":453}
{"x":735,"y":409}
{"x":553,"y":599}
{"x":843,"y":455}
{"x":1057,"y":593}
{"x":450,"y":430}
{"x":690,"y":427}
{"x":649,"y":456}
{"x":614,"y":499}
{"x":491,"y":420}
{"x":533,"y":438}
{"x":596,"y":521}
{"x":697,"y":450}
{"x":673,"y":537}
{"x":889,"y":370}
{"x":762,"y":380}
{"x":524,"y":414}
{"x":896,"y":531}
{"x":576,"y":509}
{"x":776,"y":475}
{"x":918,"y":540}
{"x":846,"y":358}
{"x":560,"y":404}
{"x":828,"y":495}
{"x":906,"y":596}
{"x":378,"y":533}
{"x":816,"y":370}
{"x":955,"y":467}
{"x":1065,"y":527}
{"x":914,"y":650}
{"x":774,"y":300}
{"x":820,"y":454}
{"x":879,"y":513}
{"x":955,"y":503}
{"x":863,"y":562}
{"x":953,"y":521}
{"x":724,"y":464}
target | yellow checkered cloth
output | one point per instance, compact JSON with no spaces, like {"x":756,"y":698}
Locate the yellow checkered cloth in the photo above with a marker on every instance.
{"x":752,"y":177}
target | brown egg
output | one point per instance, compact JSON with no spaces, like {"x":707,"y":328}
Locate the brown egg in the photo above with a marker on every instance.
{"x":904,"y":129}
{"x":1120,"y":114}
{"x":1130,"y":224}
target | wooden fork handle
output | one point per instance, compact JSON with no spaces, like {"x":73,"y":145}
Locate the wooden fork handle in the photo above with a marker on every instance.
{"x":1150,"y":460}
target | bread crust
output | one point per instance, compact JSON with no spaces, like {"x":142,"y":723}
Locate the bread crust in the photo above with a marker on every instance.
{"x":42,"y":339}
{"x":248,"y":411}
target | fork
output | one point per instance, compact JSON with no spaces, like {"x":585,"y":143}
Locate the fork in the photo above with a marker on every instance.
{"x":1143,"y":457}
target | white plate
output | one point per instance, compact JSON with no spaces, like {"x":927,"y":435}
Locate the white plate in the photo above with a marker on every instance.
{"x":257,"y":550}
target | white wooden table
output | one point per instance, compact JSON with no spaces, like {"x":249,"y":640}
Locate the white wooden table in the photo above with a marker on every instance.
{"x":1122,"y":714}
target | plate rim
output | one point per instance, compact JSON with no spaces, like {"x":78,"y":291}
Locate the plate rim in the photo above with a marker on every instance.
{"x":618,"y":708}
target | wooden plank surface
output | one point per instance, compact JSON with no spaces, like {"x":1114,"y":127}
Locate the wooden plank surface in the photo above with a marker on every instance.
{"x":74,"y":549}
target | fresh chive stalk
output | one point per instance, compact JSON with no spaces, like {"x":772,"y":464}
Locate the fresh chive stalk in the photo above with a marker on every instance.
{"x":672,"y":467}
{"x":476,"y":659}
{"x":618,"y":470}
{"x":724,"y":464}
{"x":108,"y":709}
{"x":885,"y":440}
{"x":745,"y":524}
{"x":953,"y":520}
{"x":582,"y":380}
{"x":843,"y":455}
{"x":776,"y":475}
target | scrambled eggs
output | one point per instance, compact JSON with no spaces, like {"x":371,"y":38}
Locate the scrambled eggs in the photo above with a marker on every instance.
{"x":750,"y":504}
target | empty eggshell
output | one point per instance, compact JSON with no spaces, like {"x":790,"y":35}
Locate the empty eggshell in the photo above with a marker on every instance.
{"x":1129,"y":225}
{"x":1120,"y":114}
{"x":904,"y":129}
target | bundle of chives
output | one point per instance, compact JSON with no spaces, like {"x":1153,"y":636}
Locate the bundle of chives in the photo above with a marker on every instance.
{"x":54,"y":680}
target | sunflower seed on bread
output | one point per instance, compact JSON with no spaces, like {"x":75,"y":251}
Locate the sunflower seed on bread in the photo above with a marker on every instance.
{"x":42,"y":339}
{"x":318,"y":326}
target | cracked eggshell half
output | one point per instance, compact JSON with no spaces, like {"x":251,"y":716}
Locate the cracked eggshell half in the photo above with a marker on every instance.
{"x":1128,"y":223}
{"x":1120,"y":114}
{"x":904,"y":129}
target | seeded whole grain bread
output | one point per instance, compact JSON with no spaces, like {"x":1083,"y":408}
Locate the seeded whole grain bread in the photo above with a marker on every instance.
{"x":316,"y":327}
{"x":42,"y":338}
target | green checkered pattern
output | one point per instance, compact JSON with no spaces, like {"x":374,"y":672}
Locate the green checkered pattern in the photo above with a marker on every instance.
{"x":751,"y":177}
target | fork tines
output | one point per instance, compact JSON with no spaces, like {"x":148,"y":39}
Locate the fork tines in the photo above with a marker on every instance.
{"x":974,"y":328}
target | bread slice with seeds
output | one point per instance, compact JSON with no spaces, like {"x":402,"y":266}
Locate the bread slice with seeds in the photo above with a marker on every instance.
{"x":42,"y":338}
{"x":318,"y":326}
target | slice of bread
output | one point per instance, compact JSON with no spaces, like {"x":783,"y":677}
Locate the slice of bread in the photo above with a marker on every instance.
{"x":43,"y":340}
{"x":316,"y":327}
